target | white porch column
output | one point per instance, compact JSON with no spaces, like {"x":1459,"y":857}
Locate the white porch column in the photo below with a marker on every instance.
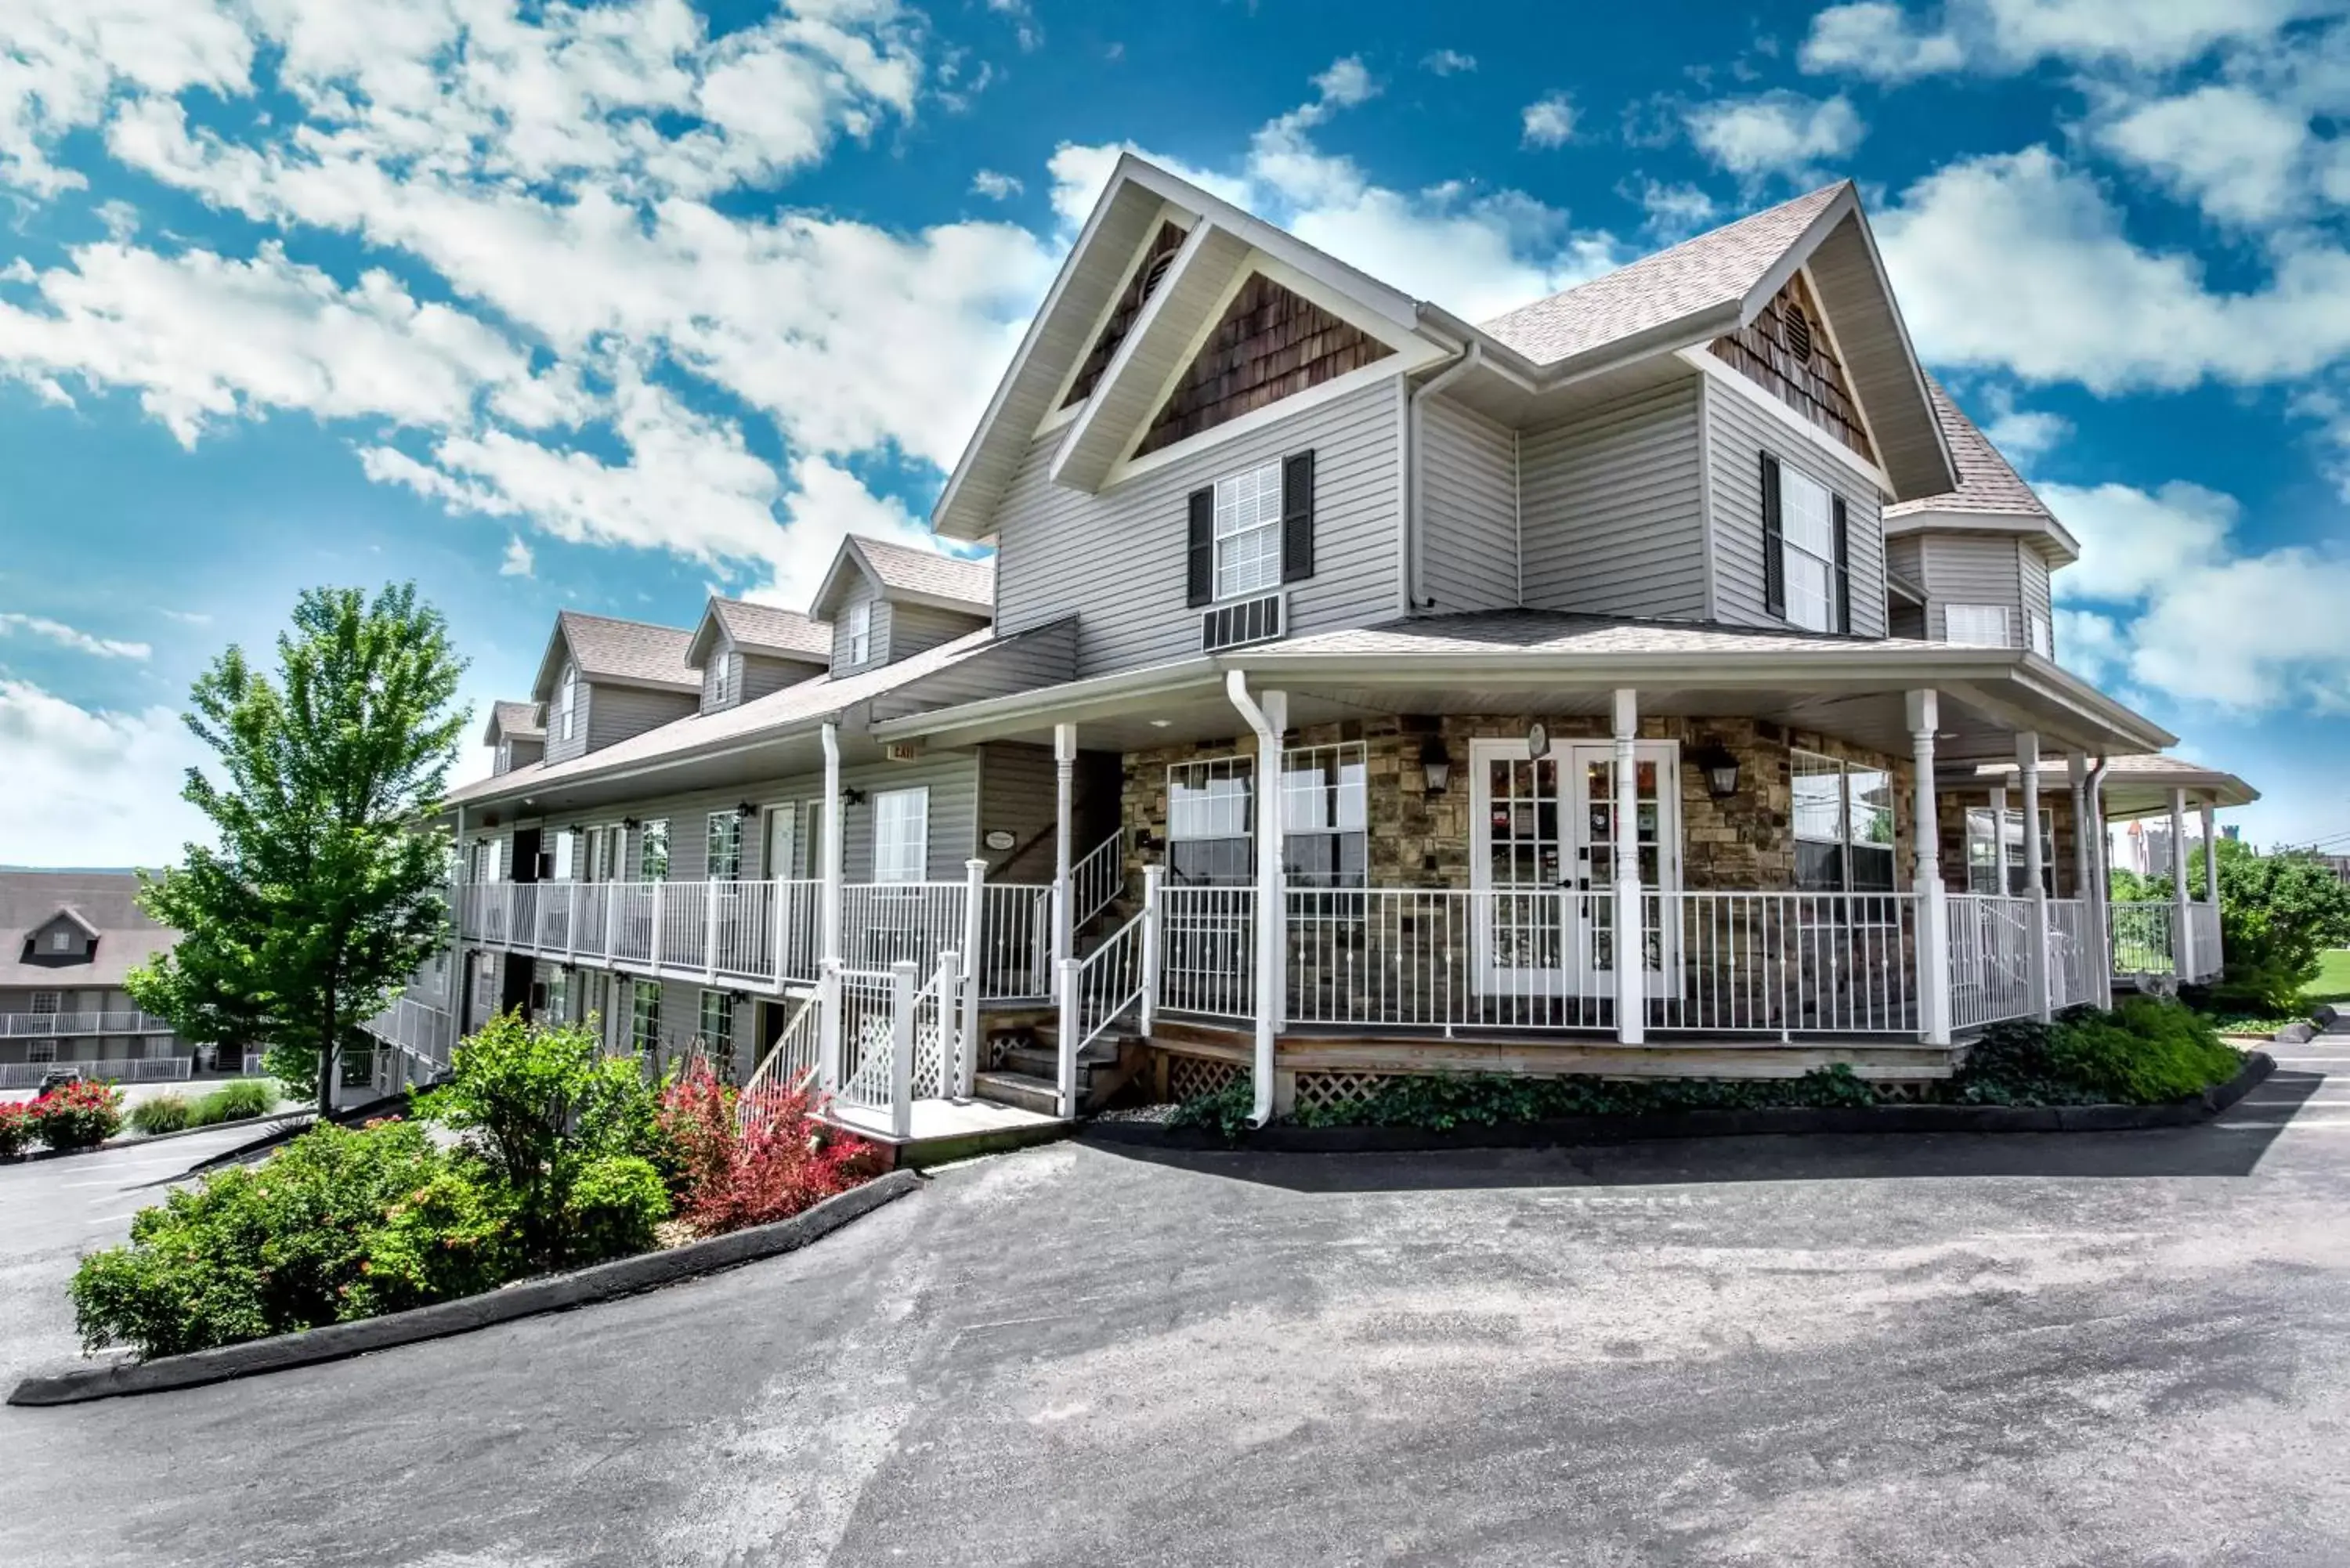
{"x":1923,"y":711}
{"x":2076,"y":774}
{"x":2004,"y":884}
{"x":2210,"y":855}
{"x":2183,"y":935}
{"x":1153,"y":877}
{"x":974,"y":967}
{"x":2027,"y":758}
{"x":1064,"y":794}
{"x":1629,"y":939}
{"x":829,"y":827}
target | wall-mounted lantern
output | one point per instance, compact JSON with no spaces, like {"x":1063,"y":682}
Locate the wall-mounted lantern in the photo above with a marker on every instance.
{"x":1435,"y":766}
{"x":1720,"y":766}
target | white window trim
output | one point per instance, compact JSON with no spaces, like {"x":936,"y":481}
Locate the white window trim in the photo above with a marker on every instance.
{"x":2006,"y":637}
{"x":41,"y":1051}
{"x":860,"y":631}
{"x":56,"y":1000}
{"x":570,"y":698}
{"x":1844,"y":840}
{"x":1241,"y":765}
{"x":1219,"y":536}
{"x":710,"y":833}
{"x":669,"y":848}
{"x":892,"y":869}
{"x":1789,"y":549}
{"x":2040,"y":637}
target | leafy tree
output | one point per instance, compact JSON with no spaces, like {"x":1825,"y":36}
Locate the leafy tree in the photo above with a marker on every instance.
{"x":2278,"y":914}
{"x":321,"y":896}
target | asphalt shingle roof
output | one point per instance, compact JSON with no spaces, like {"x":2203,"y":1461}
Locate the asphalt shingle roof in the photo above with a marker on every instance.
{"x":768,"y":629}
{"x":518,"y":720}
{"x":1987,"y":481}
{"x":928,"y":572}
{"x":632,"y":651}
{"x":1717,"y":268}
{"x":102,"y":903}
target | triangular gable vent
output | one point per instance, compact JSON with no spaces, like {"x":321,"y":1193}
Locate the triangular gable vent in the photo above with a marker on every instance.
{"x":1271,"y":344}
{"x":1146,"y":275}
{"x":1785,"y":350}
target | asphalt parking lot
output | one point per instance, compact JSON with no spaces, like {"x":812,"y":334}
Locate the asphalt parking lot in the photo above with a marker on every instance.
{"x":2124,"y":1348}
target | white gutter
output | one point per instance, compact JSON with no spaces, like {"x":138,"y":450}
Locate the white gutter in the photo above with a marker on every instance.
{"x":1414,"y":573}
{"x":1268,"y":892}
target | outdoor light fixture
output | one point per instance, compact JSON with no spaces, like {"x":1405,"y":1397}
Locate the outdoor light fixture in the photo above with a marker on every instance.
{"x":1720,"y":770}
{"x":628,"y":822}
{"x":1435,"y":764}
{"x":851,"y":795}
{"x":746,"y":810}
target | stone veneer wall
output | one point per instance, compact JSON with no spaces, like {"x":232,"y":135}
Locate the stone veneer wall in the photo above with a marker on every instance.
{"x":1742,"y":842}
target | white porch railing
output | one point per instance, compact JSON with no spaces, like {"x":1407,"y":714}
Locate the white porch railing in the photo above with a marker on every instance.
{"x":887,"y":923}
{"x":117,"y":1069}
{"x":417,"y":1027}
{"x":1207,"y":951}
{"x":1785,"y":963}
{"x":1097,"y":991}
{"x":1991,"y":959}
{"x":1014,"y":962}
{"x":2203,"y":924}
{"x":2142,"y":938}
{"x":2076,"y":977}
{"x":788,"y":1066}
{"x":1096,"y":880}
{"x":56,"y":1025}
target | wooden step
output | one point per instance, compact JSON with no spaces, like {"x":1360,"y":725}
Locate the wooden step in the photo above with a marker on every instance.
{"x":1023,"y":1091}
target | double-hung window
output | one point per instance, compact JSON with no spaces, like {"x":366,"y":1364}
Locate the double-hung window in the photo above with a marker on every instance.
{"x":567,"y":855}
{"x":644,"y":1016}
{"x":1324,"y":811}
{"x":1807,"y":549}
{"x":571,"y":705}
{"x":2042,"y":643}
{"x":652,"y":851}
{"x":1248,"y":531}
{"x":41,"y":1051}
{"x":716,"y":1031}
{"x":1976,"y":626}
{"x":1844,"y":826}
{"x":1983,"y":851}
{"x":558,"y":995}
{"x":860,"y":631}
{"x":1325,"y":819}
{"x":47,"y":1003}
{"x":724,"y":842}
{"x":901,"y":829}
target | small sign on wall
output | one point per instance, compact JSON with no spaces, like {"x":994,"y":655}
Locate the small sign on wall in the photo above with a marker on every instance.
{"x":1000,"y":838}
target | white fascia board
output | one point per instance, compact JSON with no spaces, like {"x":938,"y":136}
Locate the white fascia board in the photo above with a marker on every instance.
{"x":1180,"y":311}
{"x":2043,"y":529}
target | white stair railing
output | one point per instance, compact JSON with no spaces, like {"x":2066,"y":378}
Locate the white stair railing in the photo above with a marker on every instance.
{"x":1097,"y":991}
{"x":785,"y":1069}
{"x":1096,"y":880}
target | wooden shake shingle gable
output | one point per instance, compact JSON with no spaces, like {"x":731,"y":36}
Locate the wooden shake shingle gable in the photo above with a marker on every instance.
{"x":1271,"y":344}
{"x":1787,"y":351}
{"x":1146,"y":275}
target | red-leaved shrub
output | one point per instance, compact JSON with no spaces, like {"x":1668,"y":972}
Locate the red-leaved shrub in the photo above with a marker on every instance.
{"x":16,"y":1129}
{"x":79,"y":1114}
{"x":749,"y":1161}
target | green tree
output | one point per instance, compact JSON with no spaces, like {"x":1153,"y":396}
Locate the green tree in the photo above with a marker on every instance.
{"x":322,"y":894}
{"x":2278,"y":913}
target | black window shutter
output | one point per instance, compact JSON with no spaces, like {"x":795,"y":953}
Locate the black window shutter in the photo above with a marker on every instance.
{"x":1775,"y":538}
{"x":1202,"y":584}
{"x":1297,"y":517}
{"x":1842,"y":566}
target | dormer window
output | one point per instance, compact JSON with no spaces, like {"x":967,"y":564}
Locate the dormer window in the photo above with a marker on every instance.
{"x":722,"y":682}
{"x":860,"y":631}
{"x":570,"y":698}
{"x":61,"y":941}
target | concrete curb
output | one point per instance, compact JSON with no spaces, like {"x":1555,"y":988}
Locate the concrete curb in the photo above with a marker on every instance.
{"x":1780,"y":1121}
{"x":530,"y":1298}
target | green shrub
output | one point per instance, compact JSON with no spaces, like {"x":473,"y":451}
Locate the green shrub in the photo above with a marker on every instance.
{"x":613,"y":1205}
{"x":255,"y":1251}
{"x":2146,"y":1052}
{"x":79,"y":1116}
{"x":234,"y":1102}
{"x":2015,"y":1063}
{"x":162,"y":1114}
{"x":1225,"y":1112}
{"x":452,"y":1236}
{"x":537,"y":1104}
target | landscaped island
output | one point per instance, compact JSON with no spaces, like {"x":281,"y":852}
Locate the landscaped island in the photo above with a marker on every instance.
{"x":554,"y":1156}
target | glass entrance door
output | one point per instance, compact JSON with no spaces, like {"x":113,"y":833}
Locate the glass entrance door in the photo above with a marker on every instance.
{"x":1591,"y":775}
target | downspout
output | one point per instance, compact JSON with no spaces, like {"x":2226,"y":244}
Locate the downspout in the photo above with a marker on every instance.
{"x":1413,"y":567}
{"x":1268,"y":893}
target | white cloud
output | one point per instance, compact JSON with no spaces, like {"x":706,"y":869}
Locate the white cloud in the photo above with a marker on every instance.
{"x":62,"y":60}
{"x":201,"y":337}
{"x":517,"y":562}
{"x":826,"y":505}
{"x":1888,"y":43}
{"x":1777,"y":132}
{"x":67,"y":636}
{"x":2021,"y":433}
{"x":2020,"y":262}
{"x":2163,"y":599}
{"x":1447,"y":62}
{"x":1675,"y":211}
{"x":2240,"y":154}
{"x":86,"y":787}
{"x":1877,"y":40}
{"x":1548,"y":122}
{"x":1346,"y":84}
{"x":995,"y":187}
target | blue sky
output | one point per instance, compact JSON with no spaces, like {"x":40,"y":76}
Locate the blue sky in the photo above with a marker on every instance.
{"x":608,"y":306}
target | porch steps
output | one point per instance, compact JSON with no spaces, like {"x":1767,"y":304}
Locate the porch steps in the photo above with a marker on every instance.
{"x":1028,"y":1073}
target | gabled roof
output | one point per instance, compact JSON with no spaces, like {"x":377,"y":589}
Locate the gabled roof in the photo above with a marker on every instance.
{"x":618,"y":653}
{"x":907,"y":576}
{"x":1988,"y":487}
{"x":2137,"y":784}
{"x":515,"y":722}
{"x":768,"y":630}
{"x":102,"y":904}
{"x":1711,"y":273}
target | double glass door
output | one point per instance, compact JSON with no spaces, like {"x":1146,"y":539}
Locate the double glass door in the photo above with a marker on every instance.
{"x":1544,"y":861}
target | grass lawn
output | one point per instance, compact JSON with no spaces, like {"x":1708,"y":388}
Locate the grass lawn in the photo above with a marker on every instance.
{"x":2332,"y":983}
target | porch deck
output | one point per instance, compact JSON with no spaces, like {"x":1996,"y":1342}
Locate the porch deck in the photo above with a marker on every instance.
{"x":944,"y":1129}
